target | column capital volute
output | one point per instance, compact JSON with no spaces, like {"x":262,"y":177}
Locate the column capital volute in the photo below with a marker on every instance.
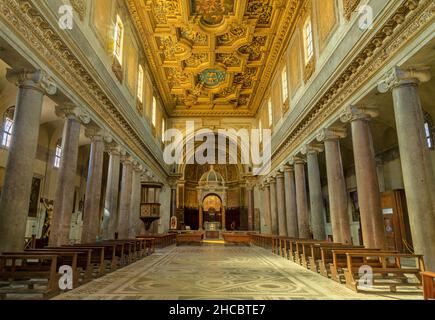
{"x":353,"y":113}
{"x":288,"y":168}
{"x":331,"y":134}
{"x":69,"y":110}
{"x":299,"y":160}
{"x":126,"y":159}
{"x":279,"y":174}
{"x":38,"y":80}
{"x":94,"y":133}
{"x":402,"y":76}
{"x":113,"y":149}
{"x":313,"y":148}
{"x":173,"y":180}
{"x":137,"y":167}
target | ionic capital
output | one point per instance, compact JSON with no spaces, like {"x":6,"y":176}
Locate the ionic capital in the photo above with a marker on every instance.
{"x":331,"y":134}
{"x":37,"y":80}
{"x":299,"y":160}
{"x":398,"y":76}
{"x":126,"y":159}
{"x":314,"y":148}
{"x":354,"y":113}
{"x":113,"y":149}
{"x":288,"y":168}
{"x":69,"y":111}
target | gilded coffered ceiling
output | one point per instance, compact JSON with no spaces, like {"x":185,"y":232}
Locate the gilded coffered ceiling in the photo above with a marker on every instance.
{"x":213,"y":57}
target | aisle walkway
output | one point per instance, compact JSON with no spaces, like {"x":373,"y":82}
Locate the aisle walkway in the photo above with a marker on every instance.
{"x":216,"y":272}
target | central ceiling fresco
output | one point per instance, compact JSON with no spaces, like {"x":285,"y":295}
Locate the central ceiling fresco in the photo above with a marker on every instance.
{"x":213,"y":57}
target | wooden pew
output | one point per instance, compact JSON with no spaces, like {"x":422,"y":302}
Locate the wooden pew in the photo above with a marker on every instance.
{"x":339,"y":261}
{"x":149,"y":243}
{"x":68,"y":258}
{"x":103,"y":258}
{"x":262,"y":240}
{"x":319,"y":252}
{"x":428,"y":279}
{"x":297,"y":247}
{"x":190,"y":238}
{"x":38,"y":273}
{"x":84,"y":260}
{"x":237,"y":238}
{"x":387,"y":269}
{"x":128,"y":251}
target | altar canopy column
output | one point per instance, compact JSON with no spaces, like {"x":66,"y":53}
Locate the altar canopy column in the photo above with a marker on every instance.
{"x":64,"y":198}
{"x":280,"y":197}
{"x":91,"y":221}
{"x":125,"y":196}
{"x":201,"y":219}
{"x":110,"y":219}
{"x":273,"y":207}
{"x":15,"y":195}
{"x":337,"y":192}
{"x":301,"y":198}
{"x":417,"y":168}
{"x":369,"y":197}
{"x":290,"y":202}
{"x":315,"y":188}
{"x":267,"y":213}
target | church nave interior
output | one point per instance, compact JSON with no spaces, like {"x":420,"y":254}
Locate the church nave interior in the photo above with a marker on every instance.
{"x":217,"y":149}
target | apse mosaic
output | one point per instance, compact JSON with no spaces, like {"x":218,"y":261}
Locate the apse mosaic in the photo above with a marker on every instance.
{"x":212,"y":55}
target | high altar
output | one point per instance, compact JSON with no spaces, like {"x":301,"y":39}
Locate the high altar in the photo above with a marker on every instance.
{"x":212,"y":202}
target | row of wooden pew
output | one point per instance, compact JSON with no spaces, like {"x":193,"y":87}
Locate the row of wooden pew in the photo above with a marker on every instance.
{"x":39,"y":273}
{"x":161,"y":240}
{"x":355,"y":266}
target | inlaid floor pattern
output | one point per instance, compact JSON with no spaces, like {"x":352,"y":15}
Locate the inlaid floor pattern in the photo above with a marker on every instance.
{"x":217,"y":272}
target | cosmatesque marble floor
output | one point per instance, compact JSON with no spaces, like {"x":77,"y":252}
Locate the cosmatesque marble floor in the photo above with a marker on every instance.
{"x":215,"y":272}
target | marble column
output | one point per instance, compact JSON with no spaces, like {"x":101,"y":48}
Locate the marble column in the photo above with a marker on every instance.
{"x":110,"y":219}
{"x":315,"y":188}
{"x":280,"y":199}
{"x":125,"y":197}
{"x":64,"y":198}
{"x":417,"y":168}
{"x":267,"y":211}
{"x":91,"y":220}
{"x":337,"y":192}
{"x":290,"y":202}
{"x":201,"y":218}
{"x":273,"y":207}
{"x":15,"y":195}
{"x":250,"y":199}
{"x":134,"y":220}
{"x":301,"y":199}
{"x":369,"y":198}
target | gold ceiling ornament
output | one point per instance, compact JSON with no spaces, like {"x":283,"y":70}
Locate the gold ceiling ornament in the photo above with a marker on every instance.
{"x":211,"y":54}
{"x":80,"y":7}
{"x":349,"y":7}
